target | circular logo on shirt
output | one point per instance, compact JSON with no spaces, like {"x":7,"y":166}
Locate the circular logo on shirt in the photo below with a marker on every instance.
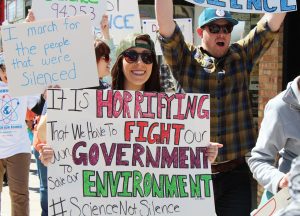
{"x":220,"y":13}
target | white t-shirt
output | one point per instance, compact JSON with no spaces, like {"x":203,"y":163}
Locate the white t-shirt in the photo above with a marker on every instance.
{"x":14,"y":138}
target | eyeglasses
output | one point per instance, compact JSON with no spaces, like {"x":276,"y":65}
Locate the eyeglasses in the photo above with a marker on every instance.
{"x":106,"y":58}
{"x":215,"y":28}
{"x":132,"y":56}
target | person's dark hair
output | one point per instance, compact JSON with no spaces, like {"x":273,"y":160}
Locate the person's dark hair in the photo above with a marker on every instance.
{"x":152,"y":84}
{"x":101,"y":49}
{"x":3,"y":68}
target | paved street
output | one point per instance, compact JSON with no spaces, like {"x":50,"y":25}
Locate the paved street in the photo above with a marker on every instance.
{"x":35,"y":209}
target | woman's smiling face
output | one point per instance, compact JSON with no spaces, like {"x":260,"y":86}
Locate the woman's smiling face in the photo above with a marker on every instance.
{"x":138,"y":72}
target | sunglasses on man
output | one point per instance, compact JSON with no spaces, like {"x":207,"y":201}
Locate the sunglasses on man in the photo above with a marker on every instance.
{"x":132,"y":56}
{"x":215,"y":28}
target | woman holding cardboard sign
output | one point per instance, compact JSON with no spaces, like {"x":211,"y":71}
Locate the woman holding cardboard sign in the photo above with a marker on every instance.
{"x":136,"y":69}
{"x":102,"y":52}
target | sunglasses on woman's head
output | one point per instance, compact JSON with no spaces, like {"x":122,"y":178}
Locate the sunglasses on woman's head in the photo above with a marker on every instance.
{"x":106,"y":58}
{"x":215,"y":28}
{"x":132,"y":56}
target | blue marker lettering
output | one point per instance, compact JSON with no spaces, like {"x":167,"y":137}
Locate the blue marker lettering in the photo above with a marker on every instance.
{"x":285,"y":7}
{"x":235,"y":5}
{"x":42,"y":78}
{"x":46,"y":78}
{"x":10,"y":37}
{"x":56,"y":45}
{"x":63,"y":75}
{"x":121,"y":22}
{"x":267,"y":8}
{"x":71,"y":26}
{"x":27,"y":80}
{"x":126,"y":21}
{"x":216,"y":2}
{"x":56,"y":59}
{"x":23,"y":50}
{"x":256,"y":3}
{"x":199,"y":1}
{"x":39,"y":30}
{"x":115,"y":23}
{"x":53,"y":77}
{"x":22,"y":64}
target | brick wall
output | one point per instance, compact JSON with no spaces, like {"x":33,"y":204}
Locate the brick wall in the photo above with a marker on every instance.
{"x":270,"y":79}
{"x":270,"y":74}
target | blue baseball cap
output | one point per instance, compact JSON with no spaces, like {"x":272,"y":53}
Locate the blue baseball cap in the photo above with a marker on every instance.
{"x":210,"y":14}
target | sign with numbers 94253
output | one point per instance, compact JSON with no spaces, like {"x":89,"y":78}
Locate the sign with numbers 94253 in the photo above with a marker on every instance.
{"x":49,"y":9}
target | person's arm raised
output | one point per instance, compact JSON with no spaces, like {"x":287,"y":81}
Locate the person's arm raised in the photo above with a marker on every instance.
{"x":104,"y":26}
{"x":164,"y":16}
{"x":274,"y":20}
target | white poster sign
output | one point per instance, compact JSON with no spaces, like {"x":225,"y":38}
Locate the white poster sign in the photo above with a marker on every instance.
{"x":279,"y":201}
{"x":51,"y":9}
{"x":249,"y":6}
{"x":124,"y":18}
{"x":128,"y":153}
{"x":58,"y":52}
{"x":150,"y":27}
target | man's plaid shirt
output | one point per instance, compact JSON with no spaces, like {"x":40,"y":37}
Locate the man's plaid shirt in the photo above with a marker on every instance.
{"x":226,"y":80}
{"x":167,"y":81}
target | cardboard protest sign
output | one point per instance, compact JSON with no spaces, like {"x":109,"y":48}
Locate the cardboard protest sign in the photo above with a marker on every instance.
{"x":279,"y":201}
{"x":128,"y":153}
{"x":249,"y":6}
{"x":150,"y":27}
{"x":124,"y":18}
{"x":51,"y":9}
{"x":57,"y":52}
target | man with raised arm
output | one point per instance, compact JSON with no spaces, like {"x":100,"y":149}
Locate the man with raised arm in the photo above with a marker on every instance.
{"x":221,"y":70}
